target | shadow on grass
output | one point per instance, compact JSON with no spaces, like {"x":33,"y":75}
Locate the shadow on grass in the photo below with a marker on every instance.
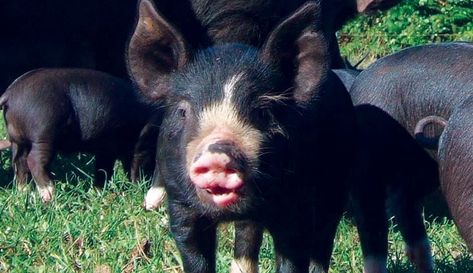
{"x":71,"y":168}
{"x":462,"y":264}
{"x":6,"y":171}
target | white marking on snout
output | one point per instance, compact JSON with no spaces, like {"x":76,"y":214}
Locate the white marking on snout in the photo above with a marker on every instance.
{"x":222,"y":118}
{"x":229,"y":88}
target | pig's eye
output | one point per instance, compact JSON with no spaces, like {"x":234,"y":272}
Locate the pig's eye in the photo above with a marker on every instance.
{"x":181,"y":112}
{"x":182,"y":109}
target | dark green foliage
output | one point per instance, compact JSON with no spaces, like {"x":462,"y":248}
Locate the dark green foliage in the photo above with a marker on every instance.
{"x":412,"y":22}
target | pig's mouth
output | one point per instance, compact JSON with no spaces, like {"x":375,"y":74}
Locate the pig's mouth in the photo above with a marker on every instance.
{"x":217,"y":177}
{"x":222,"y":197}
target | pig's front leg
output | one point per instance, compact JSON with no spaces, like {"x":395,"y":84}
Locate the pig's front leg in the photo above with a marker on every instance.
{"x":156,"y":194}
{"x":195,"y":237}
{"x":292,"y":252}
{"x":372,"y":223}
{"x":19,"y":160}
{"x":248,"y":238}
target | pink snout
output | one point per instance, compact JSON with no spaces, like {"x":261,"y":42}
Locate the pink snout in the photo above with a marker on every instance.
{"x":213,"y":175}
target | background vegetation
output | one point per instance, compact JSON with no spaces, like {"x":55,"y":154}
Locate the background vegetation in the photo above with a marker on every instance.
{"x":86,"y":230}
{"x":413,"y":22}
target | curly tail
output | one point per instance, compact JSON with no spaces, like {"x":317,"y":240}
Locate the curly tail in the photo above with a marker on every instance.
{"x":430,"y":143}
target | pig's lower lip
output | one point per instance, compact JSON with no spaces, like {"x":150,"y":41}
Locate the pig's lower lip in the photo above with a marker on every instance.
{"x":225,"y":199}
{"x":221,"y":197}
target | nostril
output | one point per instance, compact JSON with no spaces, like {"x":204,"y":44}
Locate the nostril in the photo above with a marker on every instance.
{"x":201,"y":170}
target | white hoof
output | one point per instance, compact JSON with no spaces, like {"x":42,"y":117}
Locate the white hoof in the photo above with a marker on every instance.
{"x":154,"y":198}
{"x":46,"y":193}
{"x":244,"y":265}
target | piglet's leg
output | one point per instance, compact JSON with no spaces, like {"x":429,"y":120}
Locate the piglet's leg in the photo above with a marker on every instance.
{"x":411,"y":225}
{"x":38,"y":161}
{"x":368,"y":196}
{"x":325,"y":227}
{"x":156,"y":194}
{"x":103,"y":168}
{"x":248,"y":239}
{"x":195,"y":238}
{"x":290,"y":258}
{"x":19,"y":156}
{"x":291,"y":245}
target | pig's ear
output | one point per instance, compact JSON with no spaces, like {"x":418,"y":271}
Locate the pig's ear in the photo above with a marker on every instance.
{"x":373,"y":5}
{"x":155,"y":50}
{"x":299,"y":48}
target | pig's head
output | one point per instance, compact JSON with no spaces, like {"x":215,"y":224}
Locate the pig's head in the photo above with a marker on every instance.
{"x":229,"y":105}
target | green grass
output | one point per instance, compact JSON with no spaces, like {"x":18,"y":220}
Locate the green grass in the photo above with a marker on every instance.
{"x":412,"y":22}
{"x":85,"y":229}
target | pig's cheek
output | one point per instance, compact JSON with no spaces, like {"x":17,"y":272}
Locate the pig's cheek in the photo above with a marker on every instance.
{"x":176,"y":129}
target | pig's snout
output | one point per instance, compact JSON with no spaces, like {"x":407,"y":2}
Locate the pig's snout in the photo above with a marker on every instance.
{"x":218,"y":173}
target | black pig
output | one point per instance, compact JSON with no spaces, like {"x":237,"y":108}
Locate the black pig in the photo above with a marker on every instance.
{"x":249,"y":134}
{"x":70,"y":110}
{"x":204,"y":23}
{"x":393,"y":172}
{"x":410,"y":86}
{"x":456,"y":168}
{"x":418,"y":82}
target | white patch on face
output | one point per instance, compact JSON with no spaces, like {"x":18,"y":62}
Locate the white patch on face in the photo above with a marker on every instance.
{"x":221,"y":120}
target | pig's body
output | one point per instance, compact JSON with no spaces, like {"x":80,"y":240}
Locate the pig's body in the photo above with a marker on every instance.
{"x":409,"y":86}
{"x":72,"y":110}
{"x":392,"y":173}
{"x":456,"y":168}
{"x":347,"y":76}
{"x":418,"y":82}
{"x":246,"y":137}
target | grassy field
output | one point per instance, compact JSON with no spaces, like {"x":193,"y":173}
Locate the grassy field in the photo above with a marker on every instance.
{"x":87,"y":230}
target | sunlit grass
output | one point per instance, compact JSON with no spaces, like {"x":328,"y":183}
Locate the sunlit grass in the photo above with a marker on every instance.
{"x":89,"y":230}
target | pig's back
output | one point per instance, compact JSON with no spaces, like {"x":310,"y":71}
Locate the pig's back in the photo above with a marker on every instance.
{"x":89,"y":103}
{"x":102,"y":103}
{"x":417,"y":82}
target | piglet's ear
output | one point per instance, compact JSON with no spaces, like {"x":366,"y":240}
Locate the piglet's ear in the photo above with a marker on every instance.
{"x":299,"y":48}
{"x":373,"y":5}
{"x":155,"y":50}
